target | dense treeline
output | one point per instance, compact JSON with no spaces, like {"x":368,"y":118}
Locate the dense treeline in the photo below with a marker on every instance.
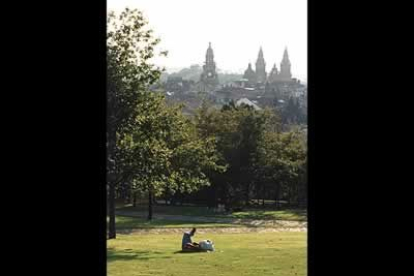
{"x":262,"y":161}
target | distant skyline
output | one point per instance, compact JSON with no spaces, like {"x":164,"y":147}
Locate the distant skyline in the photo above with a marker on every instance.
{"x":235,"y":28}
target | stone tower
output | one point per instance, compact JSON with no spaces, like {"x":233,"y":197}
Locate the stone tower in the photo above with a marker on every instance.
{"x":209,"y":78}
{"x":261,"y":68}
{"x":285,"y":74}
{"x":250,"y":75}
{"x":274,"y":75}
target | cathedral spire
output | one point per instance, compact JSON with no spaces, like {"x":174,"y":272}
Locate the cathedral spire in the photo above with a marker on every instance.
{"x":209,"y":78}
{"x":209,"y":55}
{"x":260,"y":52}
{"x":285,"y":56}
{"x":261,"y":67}
{"x":285,"y":73}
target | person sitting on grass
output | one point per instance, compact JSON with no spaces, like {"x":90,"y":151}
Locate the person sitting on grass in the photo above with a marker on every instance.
{"x":187,"y":243}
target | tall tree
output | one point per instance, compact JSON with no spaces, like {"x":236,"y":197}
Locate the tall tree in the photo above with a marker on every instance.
{"x":130,"y":46}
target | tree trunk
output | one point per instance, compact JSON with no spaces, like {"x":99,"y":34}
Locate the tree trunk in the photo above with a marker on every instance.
{"x":290,"y":195}
{"x":111,"y":199}
{"x":134,"y":204}
{"x":298,"y":195}
{"x":111,"y":177}
{"x":110,"y":162}
{"x":181,"y":199}
{"x":277,"y":196}
{"x":149,"y":204}
{"x":263,"y":196}
{"x":212,"y":196}
{"x":247,"y":194}
{"x":127,"y":195}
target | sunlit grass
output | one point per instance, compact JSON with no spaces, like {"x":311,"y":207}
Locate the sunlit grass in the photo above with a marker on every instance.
{"x":282,"y":254}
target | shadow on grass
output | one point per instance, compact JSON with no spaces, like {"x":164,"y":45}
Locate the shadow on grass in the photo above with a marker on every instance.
{"x":271,"y":214}
{"x":128,"y":224}
{"x":252,"y":212}
{"x":132,"y":255}
{"x":189,"y":252}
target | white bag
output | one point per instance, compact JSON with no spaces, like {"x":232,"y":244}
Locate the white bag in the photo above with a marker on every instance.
{"x":207,"y":245}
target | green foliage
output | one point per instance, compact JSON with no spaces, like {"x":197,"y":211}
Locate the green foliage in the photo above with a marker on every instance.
{"x":166,"y":152}
{"x":281,"y":162}
{"x":237,"y":132}
{"x":260,"y":158}
{"x":130,"y":45}
{"x":293,"y":113}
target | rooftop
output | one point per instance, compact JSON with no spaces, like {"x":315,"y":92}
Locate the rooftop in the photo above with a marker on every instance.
{"x":247,"y":102}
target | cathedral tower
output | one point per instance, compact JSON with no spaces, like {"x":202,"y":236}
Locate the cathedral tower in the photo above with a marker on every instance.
{"x":285,"y":74}
{"x":250,"y":75}
{"x":261,"y":68}
{"x":274,"y":75}
{"x":209,"y":78}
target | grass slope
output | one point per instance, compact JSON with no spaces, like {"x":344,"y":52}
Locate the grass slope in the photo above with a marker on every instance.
{"x":250,"y":254}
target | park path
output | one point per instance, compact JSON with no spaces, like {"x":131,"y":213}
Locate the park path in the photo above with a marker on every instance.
{"x":251,"y":225}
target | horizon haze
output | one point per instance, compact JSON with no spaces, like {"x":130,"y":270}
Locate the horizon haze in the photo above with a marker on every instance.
{"x":235,"y":28}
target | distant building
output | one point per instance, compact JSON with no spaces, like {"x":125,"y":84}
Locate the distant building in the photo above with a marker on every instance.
{"x":209,"y":78}
{"x":260,"y":76}
{"x":257,"y":88}
{"x":274,"y":74}
{"x":250,"y":75}
{"x":247,"y":102}
{"x":285,"y":74}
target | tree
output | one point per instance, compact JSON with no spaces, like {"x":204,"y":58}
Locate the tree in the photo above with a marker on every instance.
{"x":237,"y":131}
{"x":261,"y":159}
{"x":166,"y":153}
{"x":281,"y":160}
{"x":207,"y":122}
{"x":130,"y":45}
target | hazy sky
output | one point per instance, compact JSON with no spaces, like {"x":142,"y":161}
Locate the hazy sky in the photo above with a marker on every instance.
{"x":235,"y":28}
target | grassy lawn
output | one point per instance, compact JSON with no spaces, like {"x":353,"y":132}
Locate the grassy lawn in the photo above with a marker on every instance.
{"x":282,"y":254}
{"x":290,"y":214}
{"x":123,"y":223}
